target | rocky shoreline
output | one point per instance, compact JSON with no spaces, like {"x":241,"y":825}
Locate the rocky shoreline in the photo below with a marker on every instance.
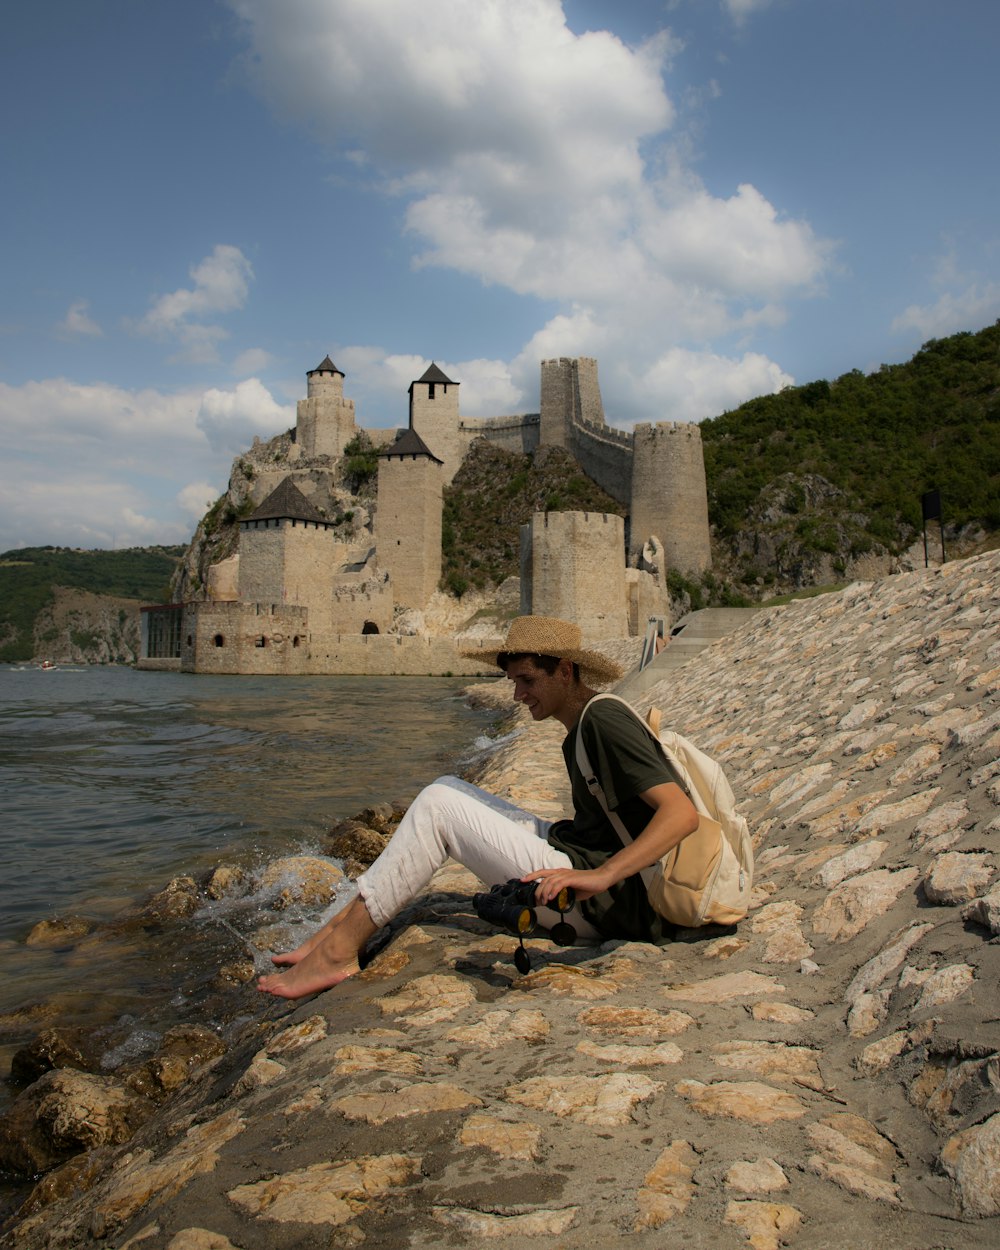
{"x":828,"y":1075}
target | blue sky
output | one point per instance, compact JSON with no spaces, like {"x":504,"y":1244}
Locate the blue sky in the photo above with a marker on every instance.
{"x":715,"y":198}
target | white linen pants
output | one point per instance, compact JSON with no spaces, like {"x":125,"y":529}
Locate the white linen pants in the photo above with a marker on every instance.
{"x":451,"y":818}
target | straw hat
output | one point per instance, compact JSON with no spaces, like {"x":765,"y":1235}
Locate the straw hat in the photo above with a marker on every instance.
{"x":545,"y":635}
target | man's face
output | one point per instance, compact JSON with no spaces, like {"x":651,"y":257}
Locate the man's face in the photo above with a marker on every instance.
{"x":542,"y":695}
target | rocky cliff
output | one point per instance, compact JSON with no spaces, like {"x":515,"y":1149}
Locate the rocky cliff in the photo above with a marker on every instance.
{"x":825,"y":1076}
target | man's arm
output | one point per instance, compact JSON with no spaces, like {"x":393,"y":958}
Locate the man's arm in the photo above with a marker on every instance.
{"x":673,"y":817}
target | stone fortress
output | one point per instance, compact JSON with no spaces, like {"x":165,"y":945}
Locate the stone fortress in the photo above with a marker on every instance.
{"x":301,"y":597}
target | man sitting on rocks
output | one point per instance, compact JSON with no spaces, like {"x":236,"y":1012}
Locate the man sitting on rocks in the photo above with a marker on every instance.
{"x":497,"y":841}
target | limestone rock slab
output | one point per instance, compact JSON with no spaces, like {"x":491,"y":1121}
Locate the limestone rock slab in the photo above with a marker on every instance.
{"x":596,"y":1100}
{"x":855,"y":903}
{"x":742,"y":1100}
{"x":959,"y":877}
{"x":767,"y":1225}
{"x":422,"y":1099}
{"x":667,"y":1188}
{"x":326,"y":1193}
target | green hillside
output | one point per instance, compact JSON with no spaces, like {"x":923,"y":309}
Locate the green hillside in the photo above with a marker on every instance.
{"x":883,"y":438}
{"x":28,"y":575}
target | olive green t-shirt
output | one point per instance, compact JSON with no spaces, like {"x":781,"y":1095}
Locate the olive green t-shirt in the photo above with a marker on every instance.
{"x":627,"y":762}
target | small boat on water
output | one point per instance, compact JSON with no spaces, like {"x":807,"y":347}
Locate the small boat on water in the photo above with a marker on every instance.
{"x":47,"y":664}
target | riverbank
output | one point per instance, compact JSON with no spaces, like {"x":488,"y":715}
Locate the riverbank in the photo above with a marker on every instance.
{"x":826,"y":1076}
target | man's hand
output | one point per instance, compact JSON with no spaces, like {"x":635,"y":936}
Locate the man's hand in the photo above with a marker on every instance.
{"x":585,"y":881}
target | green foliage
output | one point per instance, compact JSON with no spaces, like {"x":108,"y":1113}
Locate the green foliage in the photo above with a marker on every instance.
{"x":493,"y":494}
{"x":884,"y":439}
{"x":27,"y":578}
{"x":360,"y":466}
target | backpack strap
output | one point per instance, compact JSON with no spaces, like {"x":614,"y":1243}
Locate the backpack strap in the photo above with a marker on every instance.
{"x":593,"y":782}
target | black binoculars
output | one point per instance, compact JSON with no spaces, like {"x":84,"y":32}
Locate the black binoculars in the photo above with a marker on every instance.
{"x":511,"y":906}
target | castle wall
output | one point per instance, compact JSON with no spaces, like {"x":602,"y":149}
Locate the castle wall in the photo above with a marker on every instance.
{"x":669,"y":494}
{"x":392,"y":655}
{"x":324,"y":420}
{"x":646,"y":598}
{"x":408,"y":526}
{"x":517,"y":434}
{"x":605,"y":456}
{"x":573,"y":567}
{"x":250,"y":638}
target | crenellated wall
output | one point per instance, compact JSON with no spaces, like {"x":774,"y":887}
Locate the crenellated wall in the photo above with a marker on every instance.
{"x":573,"y":567}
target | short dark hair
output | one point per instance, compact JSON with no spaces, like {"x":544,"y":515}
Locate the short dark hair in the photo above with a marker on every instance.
{"x":548,"y":663}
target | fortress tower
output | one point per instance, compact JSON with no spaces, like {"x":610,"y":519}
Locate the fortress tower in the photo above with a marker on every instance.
{"x":324,"y":420}
{"x":287,"y":552}
{"x":570,"y":396}
{"x":408,"y":520}
{"x":573,"y":567}
{"x":669,"y":494}
{"x":434,"y":418}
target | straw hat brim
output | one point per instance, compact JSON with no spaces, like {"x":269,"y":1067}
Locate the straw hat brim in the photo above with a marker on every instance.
{"x":594,"y":667}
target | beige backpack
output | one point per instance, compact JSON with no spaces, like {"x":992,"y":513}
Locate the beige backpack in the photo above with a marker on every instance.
{"x":706,"y":878}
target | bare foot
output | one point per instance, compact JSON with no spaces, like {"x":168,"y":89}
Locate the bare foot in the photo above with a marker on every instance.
{"x":315,"y":972}
{"x":289,"y":959}
{"x":329,"y":957}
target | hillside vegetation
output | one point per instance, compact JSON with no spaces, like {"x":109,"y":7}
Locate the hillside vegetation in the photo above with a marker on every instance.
{"x":31,"y":576}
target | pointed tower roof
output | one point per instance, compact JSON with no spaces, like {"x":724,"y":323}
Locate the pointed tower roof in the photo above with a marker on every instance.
{"x":409,"y":443}
{"x":326,"y":365}
{"x":287,"y":502}
{"x":434,"y":374}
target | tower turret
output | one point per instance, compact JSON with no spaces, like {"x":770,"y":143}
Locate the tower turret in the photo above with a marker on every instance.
{"x":324,"y":420}
{"x":408,"y":519}
{"x":434,"y":417}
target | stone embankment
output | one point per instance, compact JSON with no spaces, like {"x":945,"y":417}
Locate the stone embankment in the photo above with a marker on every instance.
{"x":826,"y":1076}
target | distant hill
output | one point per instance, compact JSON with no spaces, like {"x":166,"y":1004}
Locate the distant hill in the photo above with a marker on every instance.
{"x":49,"y":600}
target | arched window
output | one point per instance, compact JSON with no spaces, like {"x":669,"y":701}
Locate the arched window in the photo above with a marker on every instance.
{"x":219,"y":640}
{"x":369,"y":627}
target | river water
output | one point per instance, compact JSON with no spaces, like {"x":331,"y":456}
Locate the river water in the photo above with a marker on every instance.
{"x":112,"y":781}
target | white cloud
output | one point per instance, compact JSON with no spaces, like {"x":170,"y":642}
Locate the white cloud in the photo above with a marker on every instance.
{"x":195,"y":500}
{"x":977,"y":305}
{"x":78,"y":322}
{"x":740,"y":10}
{"x":690,"y":386}
{"x":221,"y":284}
{"x":230,"y":419}
{"x":253,"y":360}
{"x":99,"y":465}
{"x":543,"y":161}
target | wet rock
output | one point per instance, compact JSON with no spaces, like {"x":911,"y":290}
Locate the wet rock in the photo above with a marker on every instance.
{"x":62,"y":931}
{"x":356,"y":842}
{"x":184,"y":1050}
{"x":303,"y":879}
{"x":178,"y":899}
{"x":63,"y":1113}
{"x":53,"y":1048}
{"x":225,"y":881}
